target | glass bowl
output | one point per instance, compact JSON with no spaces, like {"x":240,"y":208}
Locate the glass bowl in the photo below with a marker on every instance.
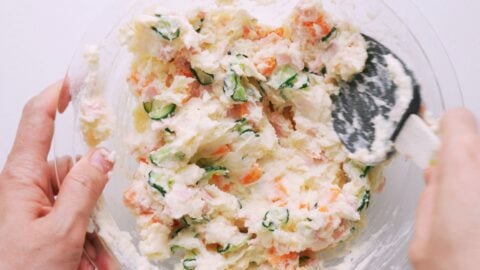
{"x":383,"y":242}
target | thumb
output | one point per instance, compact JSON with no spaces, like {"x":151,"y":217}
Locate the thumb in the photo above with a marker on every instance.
{"x":423,"y":218}
{"x":80,"y":191}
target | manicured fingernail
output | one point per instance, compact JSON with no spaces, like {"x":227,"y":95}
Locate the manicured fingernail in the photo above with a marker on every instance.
{"x":101,"y":159}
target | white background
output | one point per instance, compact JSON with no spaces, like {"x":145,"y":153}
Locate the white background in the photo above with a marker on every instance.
{"x":39,"y":37}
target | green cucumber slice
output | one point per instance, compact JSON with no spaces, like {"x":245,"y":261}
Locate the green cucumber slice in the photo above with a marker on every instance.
{"x":283,"y":78}
{"x":365,"y":201}
{"x":242,"y":127}
{"x":167,"y":27}
{"x":155,"y":181}
{"x":275,"y":218}
{"x":147,"y":106}
{"x":215,"y":170}
{"x":159,"y":112}
{"x":233,"y":88}
{"x":302,"y":81}
{"x":189,"y":264}
{"x":330,"y":34}
{"x":203,"y":77}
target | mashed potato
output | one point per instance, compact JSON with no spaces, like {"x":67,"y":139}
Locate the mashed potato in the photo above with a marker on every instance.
{"x":239,"y":165}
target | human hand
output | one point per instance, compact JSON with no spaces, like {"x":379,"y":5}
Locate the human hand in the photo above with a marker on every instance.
{"x":43,"y":224}
{"x":447,"y":229}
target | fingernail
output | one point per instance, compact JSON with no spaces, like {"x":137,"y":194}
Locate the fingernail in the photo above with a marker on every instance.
{"x":102,"y":160}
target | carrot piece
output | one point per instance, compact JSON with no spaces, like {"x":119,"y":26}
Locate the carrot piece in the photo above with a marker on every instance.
{"x":133,"y":79}
{"x":283,"y":260}
{"x":246,"y":32}
{"x":129,"y":198}
{"x":169,"y":80}
{"x":276,"y":199}
{"x":239,"y":110}
{"x":335,"y":194}
{"x":142,"y":160}
{"x":280,"y":31}
{"x":252,"y":176}
{"x":222,"y":150}
{"x":323,"y":209}
{"x":304,"y":206}
{"x":282,"y":188}
{"x":226,"y":187}
{"x":243,"y":109}
{"x":323,"y":25}
{"x":269,"y":67}
{"x":155,"y":219}
{"x":217,"y":180}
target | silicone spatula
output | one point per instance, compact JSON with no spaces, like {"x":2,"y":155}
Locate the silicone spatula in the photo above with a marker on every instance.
{"x":376,"y":111}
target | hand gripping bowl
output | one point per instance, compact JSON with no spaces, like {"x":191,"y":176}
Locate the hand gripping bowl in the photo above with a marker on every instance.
{"x":383,"y":242}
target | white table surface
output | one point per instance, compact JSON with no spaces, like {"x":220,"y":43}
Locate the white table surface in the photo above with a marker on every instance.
{"x":38,"y":39}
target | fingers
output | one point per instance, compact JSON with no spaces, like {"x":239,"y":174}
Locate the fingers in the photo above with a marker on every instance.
{"x":460,"y":151}
{"x":458,"y":122}
{"x":423,"y":219}
{"x":97,"y":255}
{"x":86,"y":263}
{"x":103,"y":258}
{"x":35,"y":131}
{"x":64,"y":98}
{"x":80,"y":190}
{"x":58,"y":171}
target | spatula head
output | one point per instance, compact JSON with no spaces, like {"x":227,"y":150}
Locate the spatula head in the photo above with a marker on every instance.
{"x":372,"y":107}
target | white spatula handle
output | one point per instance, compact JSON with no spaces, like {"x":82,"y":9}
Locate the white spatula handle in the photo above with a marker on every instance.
{"x":418,"y":142}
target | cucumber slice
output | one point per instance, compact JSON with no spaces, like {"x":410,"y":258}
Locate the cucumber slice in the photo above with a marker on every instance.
{"x":242,"y":127}
{"x":233,"y":88}
{"x":365,"y":201}
{"x":155,"y":180}
{"x":253,"y":93}
{"x":189,"y":264}
{"x":203,"y":77}
{"x":330,"y":34}
{"x":160,"y":156}
{"x":240,"y":94}
{"x":224,"y":249}
{"x":230,"y":84}
{"x":283,"y":78}
{"x":215,"y":170}
{"x":275,"y":218}
{"x":159,"y":112}
{"x":165,"y":154}
{"x":147,"y":106}
{"x":366,"y":171}
{"x":198,"y":24}
{"x":167,"y":27}
{"x":302,"y":81}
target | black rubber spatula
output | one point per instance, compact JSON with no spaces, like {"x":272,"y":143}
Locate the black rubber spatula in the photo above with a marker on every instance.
{"x":376,"y":111}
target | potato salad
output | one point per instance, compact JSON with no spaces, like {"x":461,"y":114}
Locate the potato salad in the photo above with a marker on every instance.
{"x":238,"y":163}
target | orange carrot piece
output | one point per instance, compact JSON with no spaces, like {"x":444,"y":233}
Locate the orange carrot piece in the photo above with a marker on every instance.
{"x":217,"y":180}
{"x":252,"y":176}
{"x":169,"y":80}
{"x":222,"y":150}
{"x":323,"y":209}
{"x":246,"y":32}
{"x":280,"y":31}
{"x":129,"y":198}
{"x":243,"y":109}
{"x":282,"y":188}
{"x":323,"y":25}
{"x":270,"y":65}
{"x":239,"y":110}
{"x":335,"y":194}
